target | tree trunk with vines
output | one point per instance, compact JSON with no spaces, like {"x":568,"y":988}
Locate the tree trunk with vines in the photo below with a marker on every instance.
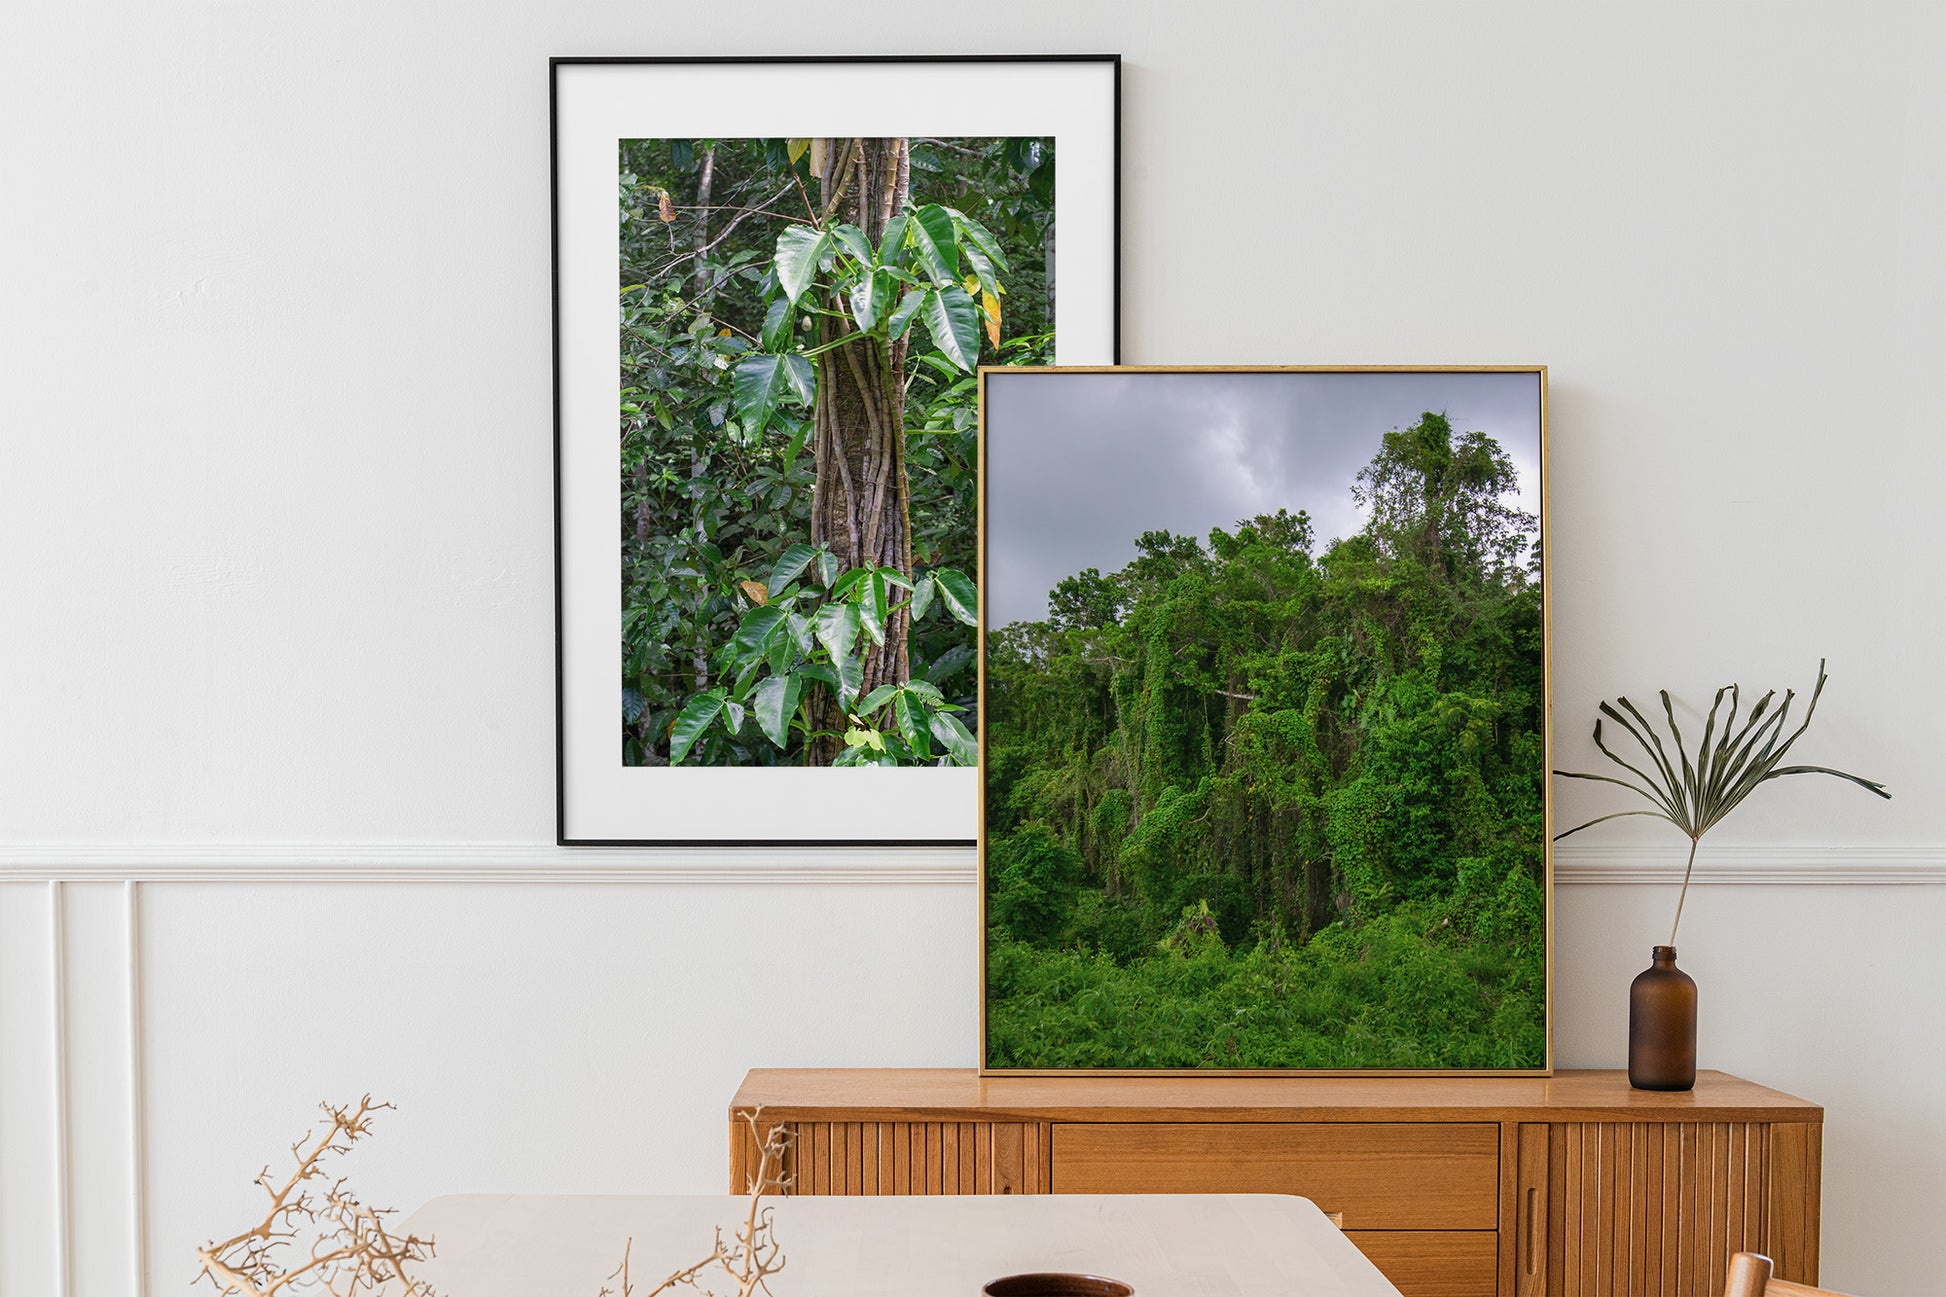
{"x":861,"y":502}
{"x":705,"y":302}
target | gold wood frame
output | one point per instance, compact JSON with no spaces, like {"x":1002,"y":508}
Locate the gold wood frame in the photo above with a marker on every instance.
{"x":1547,"y":716}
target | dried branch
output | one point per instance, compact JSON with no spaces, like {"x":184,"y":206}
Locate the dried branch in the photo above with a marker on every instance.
{"x":705,"y":248}
{"x":351,"y":1252}
{"x":949,"y":147}
{"x":750,"y":1257}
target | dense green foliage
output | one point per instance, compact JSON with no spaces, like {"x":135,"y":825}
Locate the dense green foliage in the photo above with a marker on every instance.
{"x":730,"y":619}
{"x":1254,"y":806}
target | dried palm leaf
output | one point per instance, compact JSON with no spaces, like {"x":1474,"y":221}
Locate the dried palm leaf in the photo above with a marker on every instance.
{"x":1696,"y":795}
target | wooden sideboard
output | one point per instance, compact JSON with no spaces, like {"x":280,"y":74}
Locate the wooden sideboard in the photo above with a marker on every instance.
{"x":1573,"y":1185}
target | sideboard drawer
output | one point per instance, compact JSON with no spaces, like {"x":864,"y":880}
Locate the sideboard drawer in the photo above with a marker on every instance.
{"x":1380,"y":1176}
{"x":1425,"y":1263}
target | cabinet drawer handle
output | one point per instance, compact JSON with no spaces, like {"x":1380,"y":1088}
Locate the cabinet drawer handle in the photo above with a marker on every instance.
{"x":1533,"y":1198}
{"x":1337,"y":1218}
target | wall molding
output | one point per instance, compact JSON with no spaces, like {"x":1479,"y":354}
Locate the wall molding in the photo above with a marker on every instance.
{"x":138,"y":1141}
{"x":1755,"y":864}
{"x":1730,"y":864}
{"x":475,"y":862}
{"x":60,"y":1085}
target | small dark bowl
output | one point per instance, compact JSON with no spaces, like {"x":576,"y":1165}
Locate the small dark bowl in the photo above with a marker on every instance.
{"x":1057,"y":1285}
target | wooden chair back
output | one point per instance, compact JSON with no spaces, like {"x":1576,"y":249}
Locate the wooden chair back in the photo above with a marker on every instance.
{"x":1749,"y":1276}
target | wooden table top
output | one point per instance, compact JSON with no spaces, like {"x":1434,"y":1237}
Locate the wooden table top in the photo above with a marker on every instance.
{"x":894,"y":1094}
{"x":1164,"y":1245}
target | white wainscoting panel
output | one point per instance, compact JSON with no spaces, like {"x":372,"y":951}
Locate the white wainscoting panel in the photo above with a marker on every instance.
{"x":585,"y":1037}
{"x":100,"y":1140}
{"x":31,"y":1152}
{"x":554,"y":1039}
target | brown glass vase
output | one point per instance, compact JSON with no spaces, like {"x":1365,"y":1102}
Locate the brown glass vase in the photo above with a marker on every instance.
{"x":1662,"y":1025}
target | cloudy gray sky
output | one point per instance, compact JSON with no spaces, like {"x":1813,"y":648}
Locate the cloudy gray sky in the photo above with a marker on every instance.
{"x":1078,"y":465}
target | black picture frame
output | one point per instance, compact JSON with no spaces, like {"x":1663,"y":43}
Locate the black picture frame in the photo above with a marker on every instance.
{"x":574,"y":827}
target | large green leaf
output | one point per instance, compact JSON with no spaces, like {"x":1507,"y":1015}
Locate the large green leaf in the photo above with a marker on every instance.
{"x":780,"y":650}
{"x":837,"y":629}
{"x":779,"y":323}
{"x":633,"y":705}
{"x":911,"y":715}
{"x":1040,"y":181}
{"x":799,"y":628}
{"x":954,"y":323}
{"x":799,"y":250}
{"x":975,"y":237}
{"x":753,"y":635}
{"x":959,"y":744}
{"x":947,"y":664}
{"x":845,"y":584}
{"x":853,"y":241}
{"x":902,"y":318}
{"x":891,"y":244}
{"x":796,"y":447}
{"x":933,"y":233}
{"x":794,"y":560}
{"x":927,"y":691}
{"x":802,"y":377}
{"x":851,"y":673}
{"x":827,"y":567}
{"x":691,"y":721}
{"x":761,"y":382}
{"x":871,"y":607}
{"x":958,"y":592}
{"x":982,"y":252}
{"x":871,"y":298}
{"x":876,"y":699}
{"x":922,"y":598}
{"x":740,"y":689}
{"x":775,"y":703}
{"x":983,"y":271}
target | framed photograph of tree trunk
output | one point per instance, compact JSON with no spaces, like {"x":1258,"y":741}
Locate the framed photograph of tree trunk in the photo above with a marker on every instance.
{"x":775,"y":280}
{"x":1263,"y":718}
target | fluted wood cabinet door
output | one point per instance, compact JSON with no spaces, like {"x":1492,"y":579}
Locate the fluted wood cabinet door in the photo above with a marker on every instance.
{"x":1654,"y":1209}
{"x":902,"y":1157}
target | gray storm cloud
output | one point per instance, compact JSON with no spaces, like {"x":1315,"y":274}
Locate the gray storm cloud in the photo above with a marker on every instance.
{"x":1078,"y":465}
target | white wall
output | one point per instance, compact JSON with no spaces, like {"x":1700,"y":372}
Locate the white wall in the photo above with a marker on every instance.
{"x":274,"y":519}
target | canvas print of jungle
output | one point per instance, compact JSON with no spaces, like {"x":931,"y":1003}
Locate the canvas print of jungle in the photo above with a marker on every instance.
{"x":801,"y":322}
{"x":1265,"y":757}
